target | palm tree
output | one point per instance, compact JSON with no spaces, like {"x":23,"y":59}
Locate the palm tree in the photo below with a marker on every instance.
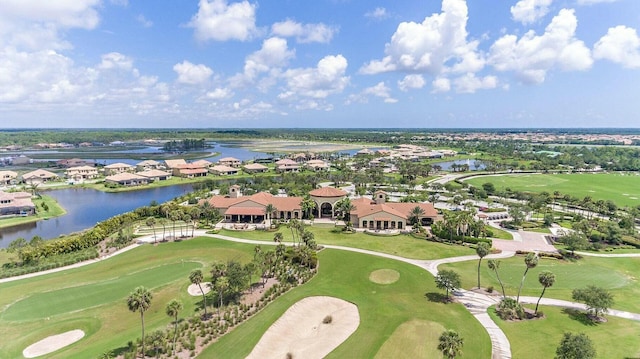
{"x":482,"y":250}
{"x":277,"y":237}
{"x":531,"y":261}
{"x":221,"y":285}
{"x":415,"y":214}
{"x":307,"y":204}
{"x":151,"y":222}
{"x":139,"y":301}
{"x":268,"y":212}
{"x":196,"y":278}
{"x":450,"y":344}
{"x":173,"y":308}
{"x":547,"y":279}
{"x":494,"y":265}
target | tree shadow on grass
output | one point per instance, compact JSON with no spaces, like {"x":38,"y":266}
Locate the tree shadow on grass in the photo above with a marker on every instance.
{"x":580,"y":316}
{"x":437,"y":297}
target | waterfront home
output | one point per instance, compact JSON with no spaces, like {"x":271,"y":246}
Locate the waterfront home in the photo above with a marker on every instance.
{"x":155,"y":175}
{"x":8,"y":177}
{"x":16,"y":203}
{"x":126,"y":179}
{"x":287,"y":165}
{"x":237,"y":208}
{"x":147,"y":165}
{"x":230,"y":161}
{"x":255,"y":168}
{"x":189,"y":170}
{"x":39,"y":176}
{"x":317,"y":165}
{"x":74,"y":162}
{"x":221,"y":170}
{"x":171,"y":164}
{"x":378,"y":214}
{"x":203,"y":163}
{"x":81,"y":173}
{"x":115,"y":168}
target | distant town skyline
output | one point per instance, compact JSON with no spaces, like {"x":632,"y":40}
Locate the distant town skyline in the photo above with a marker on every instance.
{"x":325,"y":63}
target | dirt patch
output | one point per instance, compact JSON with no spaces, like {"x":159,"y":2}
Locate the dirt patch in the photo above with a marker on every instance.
{"x":303,"y":331}
{"x":52,"y":343}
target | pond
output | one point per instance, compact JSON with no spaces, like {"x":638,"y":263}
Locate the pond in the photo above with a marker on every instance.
{"x":86,"y":207}
{"x":473,"y":164}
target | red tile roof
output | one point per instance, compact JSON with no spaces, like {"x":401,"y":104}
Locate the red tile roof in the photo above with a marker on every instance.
{"x":327,"y":192}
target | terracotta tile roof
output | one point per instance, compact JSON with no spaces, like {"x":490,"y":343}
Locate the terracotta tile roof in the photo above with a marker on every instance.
{"x":286,"y":162}
{"x":255,"y":166}
{"x":192,"y":171}
{"x":175,"y":163}
{"x":365,"y":207}
{"x":126,"y":177}
{"x":39,"y":173}
{"x":222,"y":168}
{"x":246,"y":211}
{"x":153,"y":173}
{"x":327,"y":192}
{"x":203,"y":163}
{"x":118,"y":165}
{"x":228,"y":159}
{"x":261,"y":199}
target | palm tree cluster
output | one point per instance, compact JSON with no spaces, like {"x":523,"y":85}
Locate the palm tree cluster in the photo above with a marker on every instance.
{"x":458,"y":224}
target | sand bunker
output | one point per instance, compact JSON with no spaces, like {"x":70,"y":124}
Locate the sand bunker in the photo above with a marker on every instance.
{"x":52,"y":343}
{"x":194,"y":290}
{"x":302,"y":330}
{"x":384,"y":276}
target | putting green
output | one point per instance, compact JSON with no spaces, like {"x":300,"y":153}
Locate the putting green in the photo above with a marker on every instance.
{"x":48,"y":304}
{"x":384,"y":276}
{"x":411,"y":339}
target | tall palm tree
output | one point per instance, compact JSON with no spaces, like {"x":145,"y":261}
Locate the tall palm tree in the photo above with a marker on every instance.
{"x":450,"y":344}
{"x":546,"y":279}
{"x":268,"y":212}
{"x":196,"y":277}
{"x":221,"y":285}
{"x":277,"y":237}
{"x":151,"y":222}
{"x":531,"y":261}
{"x":494,"y":265}
{"x":139,"y":301}
{"x":415,"y":214}
{"x":173,"y":309}
{"x":482,"y":250}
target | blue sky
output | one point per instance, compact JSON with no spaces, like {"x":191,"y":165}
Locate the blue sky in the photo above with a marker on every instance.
{"x":322,"y":63}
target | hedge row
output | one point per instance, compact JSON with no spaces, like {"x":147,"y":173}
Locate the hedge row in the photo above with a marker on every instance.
{"x":14,"y":269}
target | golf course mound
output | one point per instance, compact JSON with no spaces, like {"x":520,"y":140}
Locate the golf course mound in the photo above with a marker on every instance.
{"x":384,"y":276}
{"x":311,"y":328}
{"x":413,"y":339}
{"x":52,"y":343}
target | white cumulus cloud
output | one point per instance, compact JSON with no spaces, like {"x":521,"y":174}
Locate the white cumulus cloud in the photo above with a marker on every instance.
{"x":470,"y":83}
{"x":431,"y":46}
{"x":192,"y":74}
{"x":441,"y":84}
{"x":413,"y":81}
{"x":621,"y":45}
{"x":220,"y":21}
{"x":304,"y":33}
{"x":219,"y":94}
{"x":530,"y":11}
{"x":327,"y":78}
{"x":532,"y":56}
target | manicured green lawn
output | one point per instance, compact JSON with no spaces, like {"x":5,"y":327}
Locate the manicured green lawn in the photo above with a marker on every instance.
{"x":623,"y":189}
{"x":501,"y":234}
{"x":616,"y":274}
{"x":383,"y":310}
{"x":533,"y":339}
{"x":93,"y":298}
{"x":402,"y":245}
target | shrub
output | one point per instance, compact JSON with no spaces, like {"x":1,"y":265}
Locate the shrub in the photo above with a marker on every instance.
{"x":490,"y":289}
{"x":327,"y":320}
{"x":510,"y":309}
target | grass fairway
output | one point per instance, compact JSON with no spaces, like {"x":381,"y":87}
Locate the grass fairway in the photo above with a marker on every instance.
{"x":93,"y":297}
{"x":533,"y":339}
{"x":401,"y":245}
{"x":623,"y":189}
{"x":383,"y":310}
{"x":616,"y":274}
{"x":404,"y":342}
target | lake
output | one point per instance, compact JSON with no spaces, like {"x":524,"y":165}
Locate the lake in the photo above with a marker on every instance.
{"x":86,"y":207}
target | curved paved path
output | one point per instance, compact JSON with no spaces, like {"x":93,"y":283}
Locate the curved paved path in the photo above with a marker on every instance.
{"x":476,"y":303}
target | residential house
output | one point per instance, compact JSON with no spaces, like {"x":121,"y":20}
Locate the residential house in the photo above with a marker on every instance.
{"x":39,"y":176}
{"x":171,"y":164}
{"x":317,"y":165}
{"x":8,"y":177}
{"x":155,"y":175}
{"x":221,"y":170}
{"x":203,"y":163}
{"x":189,"y":170}
{"x":115,"y":168}
{"x":378,"y":214}
{"x":16,"y":203}
{"x":287,"y":165}
{"x":237,"y":208}
{"x":230,"y":161}
{"x":81,"y":173}
{"x":126,"y":179}
{"x":147,"y":165}
{"x":255,"y":168}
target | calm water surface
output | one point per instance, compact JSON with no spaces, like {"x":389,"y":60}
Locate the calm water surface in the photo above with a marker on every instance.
{"x":85,"y":207}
